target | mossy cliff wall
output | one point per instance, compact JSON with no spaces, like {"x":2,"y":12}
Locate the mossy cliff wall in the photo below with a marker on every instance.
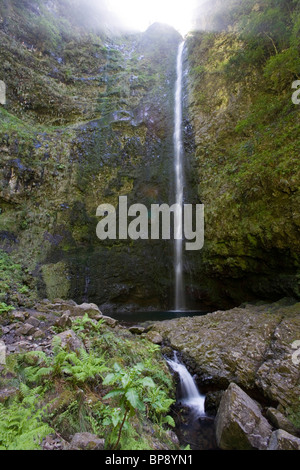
{"x":246,"y":166}
{"x":89,"y":117}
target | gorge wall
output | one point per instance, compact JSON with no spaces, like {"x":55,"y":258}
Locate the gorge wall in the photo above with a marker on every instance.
{"x":89,"y":117}
{"x":246,"y":132}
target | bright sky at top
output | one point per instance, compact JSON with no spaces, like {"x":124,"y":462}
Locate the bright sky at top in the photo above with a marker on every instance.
{"x":140,"y":14}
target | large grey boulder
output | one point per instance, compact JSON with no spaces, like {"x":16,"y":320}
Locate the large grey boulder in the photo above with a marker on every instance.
{"x":33,"y":321}
{"x":282,"y":440}
{"x":92,"y":310}
{"x":137,"y":330}
{"x":240,"y":424}
{"x":17,"y":316}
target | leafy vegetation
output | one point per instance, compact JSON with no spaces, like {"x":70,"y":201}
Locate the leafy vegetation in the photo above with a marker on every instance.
{"x":268,"y":34}
{"x":12,"y":283}
{"x":133,"y":392}
{"x":4,"y":308}
{"x":103,"y":390}
{"x":22,"y":424}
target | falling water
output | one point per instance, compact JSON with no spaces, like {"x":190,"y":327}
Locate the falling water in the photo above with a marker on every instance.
{"x":178,"y":150}
{"x":189,"y":391}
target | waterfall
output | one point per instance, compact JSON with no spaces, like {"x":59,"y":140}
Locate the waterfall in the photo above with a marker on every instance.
{"x":178,"y":152}
{"x":189,"y":391}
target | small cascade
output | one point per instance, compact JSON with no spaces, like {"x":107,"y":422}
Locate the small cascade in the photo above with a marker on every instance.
{"x":178,"y":163}
{"x":193,"y":426}
{"x":190,"y":396}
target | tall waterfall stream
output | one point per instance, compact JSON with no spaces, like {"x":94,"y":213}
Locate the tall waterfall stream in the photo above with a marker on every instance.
{"x":179,"y":180}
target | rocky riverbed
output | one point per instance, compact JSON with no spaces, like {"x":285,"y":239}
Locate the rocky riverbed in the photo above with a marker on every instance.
{"x":244,"y":359}
{"x":75,"y":411}
{"x":251,"y":353}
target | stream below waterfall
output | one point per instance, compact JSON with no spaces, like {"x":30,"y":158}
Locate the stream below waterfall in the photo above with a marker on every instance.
{"x":193,"y":426}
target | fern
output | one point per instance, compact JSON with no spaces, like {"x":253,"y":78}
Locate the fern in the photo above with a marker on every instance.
{"x":79,"y":367}
{"x":5,"y":308}
{"x":31,"y":440}
{"x":36,"y":375}
{"x":95,"y":427}
{"x":158,"y":400}
{"x":85,"y":367}
{"x":56,"y":345}
{"x":21,"y":425}
{"x":81,"y":325}
{"x":39,"y":367}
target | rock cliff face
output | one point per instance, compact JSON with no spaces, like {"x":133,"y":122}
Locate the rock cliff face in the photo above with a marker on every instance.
{"x":246,"y":132}
{"x":89,"y":117}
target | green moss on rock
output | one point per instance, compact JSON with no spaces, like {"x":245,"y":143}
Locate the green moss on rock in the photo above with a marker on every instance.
{"x":56,"y":280}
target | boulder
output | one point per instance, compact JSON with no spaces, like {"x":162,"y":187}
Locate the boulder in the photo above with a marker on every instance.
{"x":64,"y":321}
{"x":33,"y":321}
{"x":25,"y":330}
{"x":240,"y":424}
{"x":17,"y":316}
{"x":3,"y":351}
{"x":58,"y":305}
{"x":154,"y":337}
{"x":20,"y":347}
{"x":69,"y":341}
{"x":109,"y":321}
{"x":38,"y":334}
{"x":279,"y":421}
{"x":61,"y":301}
{"x":54,"y":443}
{"x":278,"y":375}
{"x":7,"y":393}
{"x":71,"y":307}
{"x":92,"y":310}
{"x":137,"y":330}
{"x":86,"y":441}
{"x":282,"y":440}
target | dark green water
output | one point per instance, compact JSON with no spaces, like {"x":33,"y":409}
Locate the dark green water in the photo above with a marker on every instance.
{"x":143,"y":317}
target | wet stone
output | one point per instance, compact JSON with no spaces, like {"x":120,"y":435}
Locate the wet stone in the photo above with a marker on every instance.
{"x":25,"y":330}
